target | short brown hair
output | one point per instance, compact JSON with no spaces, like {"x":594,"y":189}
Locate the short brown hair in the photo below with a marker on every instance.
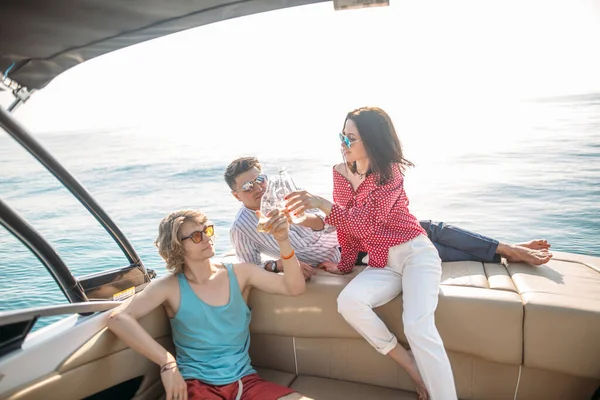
{"x":238,"y":167}
{"x":169,"y":245}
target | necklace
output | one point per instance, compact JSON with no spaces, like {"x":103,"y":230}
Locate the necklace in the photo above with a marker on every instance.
{"x":361,"y":176}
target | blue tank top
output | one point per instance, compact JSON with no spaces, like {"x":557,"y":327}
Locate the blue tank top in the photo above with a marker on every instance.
{"x":212,"y":342}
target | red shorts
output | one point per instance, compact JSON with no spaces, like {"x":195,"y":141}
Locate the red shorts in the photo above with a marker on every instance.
{"x":253,"y":388}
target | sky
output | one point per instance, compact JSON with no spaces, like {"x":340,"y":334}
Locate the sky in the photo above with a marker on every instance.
{"x":289,"y":69}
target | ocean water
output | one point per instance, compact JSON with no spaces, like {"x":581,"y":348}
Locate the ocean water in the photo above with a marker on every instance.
{"x":526,"y":170}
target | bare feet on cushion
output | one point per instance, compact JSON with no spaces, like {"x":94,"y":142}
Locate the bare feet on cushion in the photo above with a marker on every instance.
{"x":516,"y":253}
{"x":538,"y":244}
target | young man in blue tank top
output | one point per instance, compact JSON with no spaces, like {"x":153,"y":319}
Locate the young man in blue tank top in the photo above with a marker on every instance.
{"x":209,"y":317}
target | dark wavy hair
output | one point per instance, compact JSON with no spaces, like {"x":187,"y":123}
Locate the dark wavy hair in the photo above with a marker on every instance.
{"x":381,"y":142}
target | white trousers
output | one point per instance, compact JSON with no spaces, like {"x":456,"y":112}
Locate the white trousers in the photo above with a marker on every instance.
{"x":414,"y":268}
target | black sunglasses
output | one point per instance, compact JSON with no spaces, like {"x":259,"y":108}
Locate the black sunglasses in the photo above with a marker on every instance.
{"x":196,"y":236}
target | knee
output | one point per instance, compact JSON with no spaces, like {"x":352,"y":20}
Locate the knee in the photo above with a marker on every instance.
{"x":347,"y":304}
{"x":411,"y":330}
{"x":417,"y":328}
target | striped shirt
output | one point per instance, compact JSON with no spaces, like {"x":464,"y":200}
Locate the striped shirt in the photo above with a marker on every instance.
{"x":311,"y":247}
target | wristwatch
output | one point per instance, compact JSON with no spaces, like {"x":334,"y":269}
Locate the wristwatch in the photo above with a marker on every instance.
{"x":271,"y":266}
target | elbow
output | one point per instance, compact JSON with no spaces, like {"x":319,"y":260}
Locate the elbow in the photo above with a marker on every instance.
{"x":297,"y":289}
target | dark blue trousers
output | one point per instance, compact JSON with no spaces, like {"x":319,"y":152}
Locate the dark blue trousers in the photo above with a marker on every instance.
{"x":456,"y":244}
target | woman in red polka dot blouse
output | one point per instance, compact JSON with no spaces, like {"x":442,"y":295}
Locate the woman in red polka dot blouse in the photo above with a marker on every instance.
{"x":370,"y":213}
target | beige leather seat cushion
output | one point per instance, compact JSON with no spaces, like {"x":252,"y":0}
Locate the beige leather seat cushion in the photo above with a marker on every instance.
{"x":275,"y":376}
{"x":545,"y":317}
{"x":332,"y":389}
{"x":562,"y":314}
{"x":478,"y":313}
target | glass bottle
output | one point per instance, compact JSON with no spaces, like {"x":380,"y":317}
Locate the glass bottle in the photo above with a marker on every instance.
{"x":271,"y":200}
{"x":288,"y":186}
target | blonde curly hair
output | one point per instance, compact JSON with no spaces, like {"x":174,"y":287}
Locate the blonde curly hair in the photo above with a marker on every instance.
{"x":168,"y":243}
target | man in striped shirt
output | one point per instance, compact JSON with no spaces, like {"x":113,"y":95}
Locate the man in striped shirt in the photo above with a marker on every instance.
{"x":313,"y":240}
{"x":316,"y":242}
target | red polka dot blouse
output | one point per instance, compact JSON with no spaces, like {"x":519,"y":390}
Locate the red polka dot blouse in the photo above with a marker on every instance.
{"x":373,"y":218}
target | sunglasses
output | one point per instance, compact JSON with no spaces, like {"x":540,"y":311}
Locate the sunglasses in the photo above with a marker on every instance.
{"x":196,"y":236}
{"x":248,"y":186}
{"x":346,"y":140}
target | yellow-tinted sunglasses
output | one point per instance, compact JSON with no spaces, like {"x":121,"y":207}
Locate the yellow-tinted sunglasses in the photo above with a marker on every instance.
{"x":196,"y":236}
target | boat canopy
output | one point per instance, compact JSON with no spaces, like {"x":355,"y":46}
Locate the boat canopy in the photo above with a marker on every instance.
{"x":40,"y":39}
